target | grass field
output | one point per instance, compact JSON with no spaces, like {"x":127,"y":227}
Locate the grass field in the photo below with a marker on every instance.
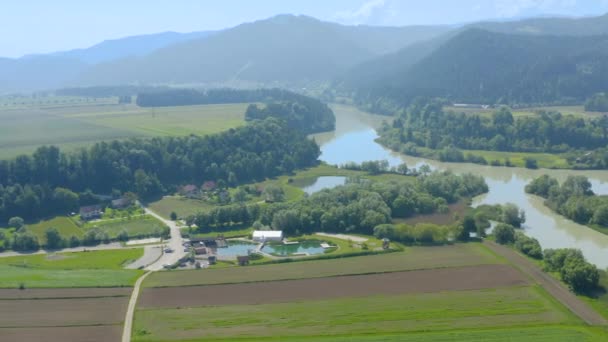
{"x":182,"y":206}
{"x":413,"y":258}
{"x":141,"y":226}
{"x":503,"y":307}
{"x":81,"y":269}
{"x":72,"y":125}
{"x":545,"y":160}
{"x":63,"y":224}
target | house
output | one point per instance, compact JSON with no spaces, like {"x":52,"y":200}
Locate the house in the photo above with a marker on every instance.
{"x":267,"y":235}
{"x":200,"y":250}
{"x":243,"y":260}
{"x":90,"y":212}
{"x":189,"y":190}
{"x":209,"y":186}
{"x":121,"y":203}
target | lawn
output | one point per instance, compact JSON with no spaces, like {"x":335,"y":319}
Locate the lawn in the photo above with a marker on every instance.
{"x":182,"y":206}
{"x":429,"y":312}
{"x":135,"y":227}
{"x":413,"y":258}
{"x":64,"y":225}
{"x":80,"y":269}
{"x":72,"y":125}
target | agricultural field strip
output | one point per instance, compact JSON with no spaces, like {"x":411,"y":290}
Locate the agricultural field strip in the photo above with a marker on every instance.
{"x":414,"y":258}
{"x":62,"y":312}
{"x":101,"y":333}
{"x":439,"y":312}
{"x":418,"y":281}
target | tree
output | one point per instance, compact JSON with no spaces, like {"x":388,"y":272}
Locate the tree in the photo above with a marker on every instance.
{"x":273,"y":193}
{"x":15,"y":222}
{"x":582,"y":276}
{"x":74,"y":241}
{"x":65,"y":200}
{"x":173,"y":216}
{"x":504,"y":234}
{"x":511,"y":215}
{"x":53,"y":238}
{"x":123,"y":236}
{"x":531,"y":163}
{"x":25,"y":241}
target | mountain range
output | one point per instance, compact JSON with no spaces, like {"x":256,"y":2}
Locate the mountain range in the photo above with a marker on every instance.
{"x":475,"y":62}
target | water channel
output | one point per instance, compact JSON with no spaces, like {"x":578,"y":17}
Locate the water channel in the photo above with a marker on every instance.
{"x":353,"y":141}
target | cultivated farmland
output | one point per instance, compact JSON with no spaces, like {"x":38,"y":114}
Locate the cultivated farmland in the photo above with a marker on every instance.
{"x":440,"y":311}
{"x":414,"y":258}
{"x":72,"y":126}
{"x":62,"y":315}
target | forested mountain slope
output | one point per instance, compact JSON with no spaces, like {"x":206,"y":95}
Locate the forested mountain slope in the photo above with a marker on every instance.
{"x":478,"y":66}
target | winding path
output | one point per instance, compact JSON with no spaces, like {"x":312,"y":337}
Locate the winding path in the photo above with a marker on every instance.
{"x":550,"y":284}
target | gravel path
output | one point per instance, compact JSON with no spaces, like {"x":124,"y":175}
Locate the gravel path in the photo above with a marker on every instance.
{"x":550,"y":284}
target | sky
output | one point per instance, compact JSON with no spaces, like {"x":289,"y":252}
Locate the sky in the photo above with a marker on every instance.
{"x":42,"y":26}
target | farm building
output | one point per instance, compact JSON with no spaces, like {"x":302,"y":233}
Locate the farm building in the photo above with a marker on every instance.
{"x":121,"y":203}
{"x":90,"y":212}
{"x":200,"y":250}
{"x":267,"y":235}
{"x":190,"y":191}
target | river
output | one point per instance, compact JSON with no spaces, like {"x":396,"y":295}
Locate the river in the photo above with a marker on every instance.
{"x":353,"y":141}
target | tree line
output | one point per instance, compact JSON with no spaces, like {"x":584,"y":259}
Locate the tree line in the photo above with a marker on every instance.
{"x":425,"y":125}
{"x":53,"y":182}
{"x":573,"y":199}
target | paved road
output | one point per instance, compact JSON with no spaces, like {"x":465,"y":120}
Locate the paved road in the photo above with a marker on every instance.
{"x":151,"y":254}
{"x":175,"y":243}
{"x":550,"y":284}
{"x":114,"y":245}
{"x":128,"y":326}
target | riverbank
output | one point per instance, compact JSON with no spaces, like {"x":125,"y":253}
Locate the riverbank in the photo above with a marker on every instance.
{"x":355,"y":141}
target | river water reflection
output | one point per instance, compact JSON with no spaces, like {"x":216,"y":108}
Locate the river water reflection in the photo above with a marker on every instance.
{"x":353,"y":141}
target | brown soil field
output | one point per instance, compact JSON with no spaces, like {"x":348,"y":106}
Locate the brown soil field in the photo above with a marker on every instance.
{"x":414,"y":258}
{"x":10,"y":294}
{"x":422,"y":281}
{"x":111,"y":333}
{"x":62,"y":312}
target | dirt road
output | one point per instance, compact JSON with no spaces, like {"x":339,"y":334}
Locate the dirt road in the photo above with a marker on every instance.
{"x":550,"y":284}
{"x":128,"y":324}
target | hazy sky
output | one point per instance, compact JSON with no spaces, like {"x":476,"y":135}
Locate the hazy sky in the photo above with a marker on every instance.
{"x":37,"y":26}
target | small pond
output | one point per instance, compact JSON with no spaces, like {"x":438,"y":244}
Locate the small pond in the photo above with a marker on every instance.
{"x":308,"y":247}
{"x":235,"y":248}
{"x":320,"y":183}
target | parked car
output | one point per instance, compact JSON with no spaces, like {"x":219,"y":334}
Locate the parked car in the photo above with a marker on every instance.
{"x":168,"y":250}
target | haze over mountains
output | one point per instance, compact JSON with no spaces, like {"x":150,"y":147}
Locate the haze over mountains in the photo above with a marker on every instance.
{"x":530,"y":60}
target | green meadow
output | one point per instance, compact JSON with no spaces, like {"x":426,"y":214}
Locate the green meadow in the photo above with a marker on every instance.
{"x":74,"y":124}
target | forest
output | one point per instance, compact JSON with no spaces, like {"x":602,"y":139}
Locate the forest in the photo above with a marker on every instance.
{"x":357,"y":207}
{"x":573,"y":199}
{"x":426,"y":125}
{"x":54,"y":182}
{"x":483,"y":67}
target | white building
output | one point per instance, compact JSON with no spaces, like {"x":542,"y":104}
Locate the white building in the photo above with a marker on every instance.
{"x":267,"y":235}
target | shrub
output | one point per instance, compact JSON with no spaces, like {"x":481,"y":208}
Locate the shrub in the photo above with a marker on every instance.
{"x":504,"y":233}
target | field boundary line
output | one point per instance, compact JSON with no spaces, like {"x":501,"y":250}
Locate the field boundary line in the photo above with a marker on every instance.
{"x":128,"y":324}
{"x":551,"y":285}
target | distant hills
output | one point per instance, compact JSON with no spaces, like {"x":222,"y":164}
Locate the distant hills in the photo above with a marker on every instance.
{"x":46,"y":71}
{"x":540,"y":60}
{"x":285,"y":49}
{"x":532,"y":61}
